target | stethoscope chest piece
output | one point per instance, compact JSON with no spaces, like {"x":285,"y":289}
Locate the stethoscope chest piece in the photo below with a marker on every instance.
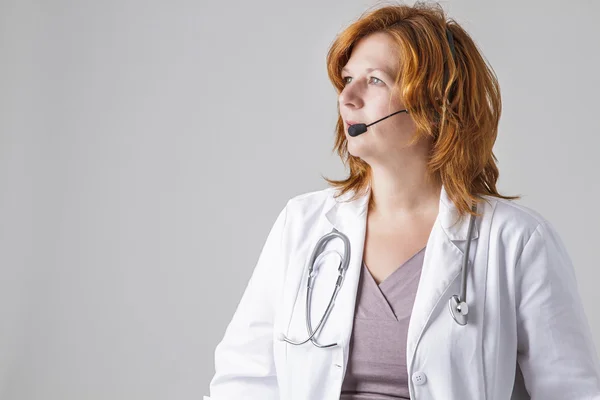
{"x":459,"y":310}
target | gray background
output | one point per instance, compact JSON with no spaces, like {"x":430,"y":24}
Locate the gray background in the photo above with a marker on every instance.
{"x":147,"y":147}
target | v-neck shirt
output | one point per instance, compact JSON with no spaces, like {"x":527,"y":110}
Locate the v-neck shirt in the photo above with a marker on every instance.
{"x":377,"y":361}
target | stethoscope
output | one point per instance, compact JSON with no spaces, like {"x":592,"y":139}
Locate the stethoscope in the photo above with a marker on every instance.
{"x":459,"y":308}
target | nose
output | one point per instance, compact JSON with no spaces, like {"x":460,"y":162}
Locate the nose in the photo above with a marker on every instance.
{"x":350,"y":97}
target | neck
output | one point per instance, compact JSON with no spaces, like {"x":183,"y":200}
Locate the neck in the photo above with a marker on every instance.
{"x":395,"y":196}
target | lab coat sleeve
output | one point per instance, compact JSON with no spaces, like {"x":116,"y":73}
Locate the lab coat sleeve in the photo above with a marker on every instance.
{"x":555,"y":351}
{"x":244,"y":363}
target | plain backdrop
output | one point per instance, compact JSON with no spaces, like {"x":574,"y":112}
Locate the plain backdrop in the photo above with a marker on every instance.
{"x":147,"y":147}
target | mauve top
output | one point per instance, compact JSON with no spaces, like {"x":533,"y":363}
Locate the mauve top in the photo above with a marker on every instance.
{"x":377,"y":361}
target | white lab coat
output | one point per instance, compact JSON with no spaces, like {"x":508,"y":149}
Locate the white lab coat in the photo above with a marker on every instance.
{"x":525,"y":312}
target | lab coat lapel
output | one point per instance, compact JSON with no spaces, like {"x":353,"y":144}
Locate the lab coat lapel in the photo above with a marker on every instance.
{"x":441,"y":265}
{"x":349,"y":217}
{"x":311,"y":370}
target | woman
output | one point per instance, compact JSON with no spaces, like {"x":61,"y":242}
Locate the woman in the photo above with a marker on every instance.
{"x":417,"y":178}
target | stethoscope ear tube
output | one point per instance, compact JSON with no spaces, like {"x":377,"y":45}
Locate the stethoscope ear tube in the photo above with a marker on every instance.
{"x":312,"y":274}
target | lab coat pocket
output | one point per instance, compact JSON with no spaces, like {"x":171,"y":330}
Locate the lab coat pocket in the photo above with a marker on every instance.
{"x":308,"y":367}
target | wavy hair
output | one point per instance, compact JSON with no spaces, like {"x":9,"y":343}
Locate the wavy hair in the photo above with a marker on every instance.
{"x":454,"y":101}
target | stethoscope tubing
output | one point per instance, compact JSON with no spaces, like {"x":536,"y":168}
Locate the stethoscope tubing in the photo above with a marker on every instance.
{"x":457,"y":304}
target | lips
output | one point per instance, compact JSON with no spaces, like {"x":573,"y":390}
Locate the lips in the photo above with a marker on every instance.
{"x":348,"y":122}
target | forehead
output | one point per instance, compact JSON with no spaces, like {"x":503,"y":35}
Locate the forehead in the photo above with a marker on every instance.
{"x":375,"y":51}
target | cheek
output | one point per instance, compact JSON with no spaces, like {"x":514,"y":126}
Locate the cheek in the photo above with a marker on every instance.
{"x":383,"y":106}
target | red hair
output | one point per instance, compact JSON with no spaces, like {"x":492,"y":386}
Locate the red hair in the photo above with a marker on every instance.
{"x":463,"y":126}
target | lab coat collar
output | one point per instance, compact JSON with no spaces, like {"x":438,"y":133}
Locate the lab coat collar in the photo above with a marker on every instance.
{"x":342,"y":209}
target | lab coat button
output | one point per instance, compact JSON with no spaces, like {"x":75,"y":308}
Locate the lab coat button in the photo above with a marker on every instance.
{"x":419,"y":378}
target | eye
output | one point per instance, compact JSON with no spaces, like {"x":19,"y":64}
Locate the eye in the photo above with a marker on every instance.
{"x":346,"y":82}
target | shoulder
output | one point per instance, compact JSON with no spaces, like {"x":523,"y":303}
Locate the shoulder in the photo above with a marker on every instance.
{"x":510,"y":210}
{"x":310,"y":203}
{"x":511,"y":221}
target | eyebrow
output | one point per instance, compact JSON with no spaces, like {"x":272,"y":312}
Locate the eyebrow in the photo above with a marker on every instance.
{"x":384,"y":70}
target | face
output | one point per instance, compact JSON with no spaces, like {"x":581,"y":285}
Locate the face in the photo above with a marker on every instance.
{"x":366,"y":99}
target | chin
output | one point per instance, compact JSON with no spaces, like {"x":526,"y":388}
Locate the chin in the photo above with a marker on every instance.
{"x":358,"y":149}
